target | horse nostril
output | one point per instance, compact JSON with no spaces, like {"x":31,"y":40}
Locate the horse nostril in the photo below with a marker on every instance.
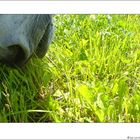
{"x":16,"y":55}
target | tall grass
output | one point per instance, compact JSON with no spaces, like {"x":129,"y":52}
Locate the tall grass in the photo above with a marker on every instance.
{"x":91,"y":73}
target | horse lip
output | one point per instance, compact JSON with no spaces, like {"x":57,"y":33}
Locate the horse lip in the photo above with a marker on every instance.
{"x":14,"y":54}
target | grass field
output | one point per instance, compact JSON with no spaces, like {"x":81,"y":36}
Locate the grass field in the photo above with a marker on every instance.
{"x":91,"y":73}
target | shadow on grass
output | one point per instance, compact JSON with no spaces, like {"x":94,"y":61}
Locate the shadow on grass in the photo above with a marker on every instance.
{"x":23,"y":93}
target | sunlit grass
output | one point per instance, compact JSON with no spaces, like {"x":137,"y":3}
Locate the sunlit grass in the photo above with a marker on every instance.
{"x":91,"y":73}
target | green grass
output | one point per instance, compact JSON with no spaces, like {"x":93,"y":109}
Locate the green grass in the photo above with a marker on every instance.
{"x":91,"y":73}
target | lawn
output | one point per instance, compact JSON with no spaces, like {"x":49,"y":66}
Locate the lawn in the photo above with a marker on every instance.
{"x":91,"y":73}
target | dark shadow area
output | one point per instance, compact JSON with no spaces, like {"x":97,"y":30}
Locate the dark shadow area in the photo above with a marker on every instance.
{"x":23,"y":92}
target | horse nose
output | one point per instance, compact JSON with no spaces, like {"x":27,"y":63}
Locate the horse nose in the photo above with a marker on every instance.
{"x":13,"y":54}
